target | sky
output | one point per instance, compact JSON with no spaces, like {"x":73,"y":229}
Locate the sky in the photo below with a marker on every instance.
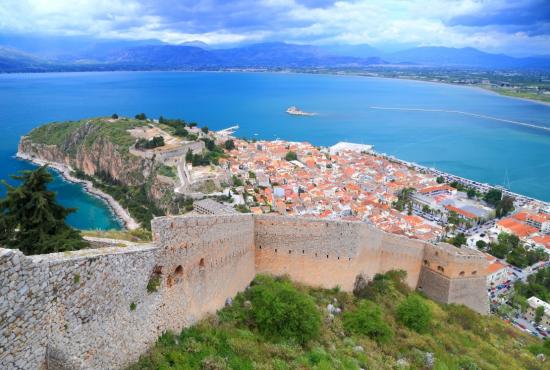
{"x":515,"y":27}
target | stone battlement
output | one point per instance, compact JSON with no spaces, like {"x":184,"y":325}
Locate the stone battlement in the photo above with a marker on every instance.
{"x":102,"y":308}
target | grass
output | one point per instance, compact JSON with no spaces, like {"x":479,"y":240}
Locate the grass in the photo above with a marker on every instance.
{"x":137,"y":236}
{"x":167,"y":171}
{"x":457,"y":337}
{"x":54,"y":133}
{"x":524,"y":95}
{"x":59,"y":133}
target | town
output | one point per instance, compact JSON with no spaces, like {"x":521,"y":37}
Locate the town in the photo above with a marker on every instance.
{"x":352,"y":182}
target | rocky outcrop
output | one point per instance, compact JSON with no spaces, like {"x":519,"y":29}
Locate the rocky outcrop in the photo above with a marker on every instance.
{"x":97,"y":155}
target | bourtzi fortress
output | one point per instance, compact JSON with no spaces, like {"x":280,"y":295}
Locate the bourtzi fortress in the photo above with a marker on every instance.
{"x":100,"y":309}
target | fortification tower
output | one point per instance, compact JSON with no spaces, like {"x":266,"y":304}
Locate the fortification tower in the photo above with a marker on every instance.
{"x":455,"y":275}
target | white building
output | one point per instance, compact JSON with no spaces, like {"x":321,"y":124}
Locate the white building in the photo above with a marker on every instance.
{"x":533,"y":303}
{"x":497,"y":273}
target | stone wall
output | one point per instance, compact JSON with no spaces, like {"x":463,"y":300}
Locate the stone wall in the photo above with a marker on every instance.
{"x":330,"y":253}
{"x":93,"y":309}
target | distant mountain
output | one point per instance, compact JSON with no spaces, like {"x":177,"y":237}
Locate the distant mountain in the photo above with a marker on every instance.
{"x":464,"y":57}
{"x":278,"y":54}
{"x":16,"y":61}
{"x":253,"y":56}
{"x":358,"y":51}
{"x":129,"y":55}
{"x":162,"y":57}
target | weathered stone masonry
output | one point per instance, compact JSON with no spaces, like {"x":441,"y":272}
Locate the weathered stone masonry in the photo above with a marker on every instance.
{"x":91,"y":309}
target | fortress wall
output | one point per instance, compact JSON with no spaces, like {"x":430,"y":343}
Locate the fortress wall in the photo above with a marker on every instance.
{"x":25,"y":302}
{"x":92,"y":323}
{"x":205,"y":260}
{"x":313,"y":251}
{"x":91,"y":309}
{"x":299,"y":247}
{"x":453,"y":262}
{"x":469,"y":291}
{"x":401,"y":253}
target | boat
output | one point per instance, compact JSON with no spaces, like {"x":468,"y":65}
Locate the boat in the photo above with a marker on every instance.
{"x":295,"y":111}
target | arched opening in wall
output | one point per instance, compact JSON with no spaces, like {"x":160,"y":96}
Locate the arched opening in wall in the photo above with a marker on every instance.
{"x":275,"y":250}
{"x":437,"y":254}
{"x":289,"y":251}
{"x":303,"y":251}
{"x":440,"y":268}
{"x":426,"y":263}
{"x":474,"y":272}
{"x":461,"y":273}
{"x":179,"y":271}
{"x":327,"y":255}
{"x":201,"y":263}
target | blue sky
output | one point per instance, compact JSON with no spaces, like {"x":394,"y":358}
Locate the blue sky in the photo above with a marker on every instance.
{"x":518,"y":27}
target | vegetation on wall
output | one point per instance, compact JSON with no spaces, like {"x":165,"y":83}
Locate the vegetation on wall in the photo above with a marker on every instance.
{"x":155,"y":142}
{"x":368,"y":333}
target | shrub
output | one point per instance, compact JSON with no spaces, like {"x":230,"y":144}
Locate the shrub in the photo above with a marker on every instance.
{"x":133,"y":306}
{"x":291,"y":156}
{"x":280,"y":311}
{"x":414,"y":313}
{"x":153,"y":283}
{"x":141,"y":116}
{"x":380,"y":284}
{"x":229,"y":144}
{"x":367,"y":320}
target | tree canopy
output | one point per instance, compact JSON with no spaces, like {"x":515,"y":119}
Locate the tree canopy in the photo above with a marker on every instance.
{"x":32,"y":221}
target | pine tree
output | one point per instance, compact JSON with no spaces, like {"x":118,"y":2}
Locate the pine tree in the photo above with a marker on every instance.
{"x":32,"y":221}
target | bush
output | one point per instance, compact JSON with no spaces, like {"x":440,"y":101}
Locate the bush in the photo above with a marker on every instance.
{"x":141,"y":116}
{"x":367,"y":320}
{"x":153,"y":284}
{"x":414,"y":313}
{"x":291,"y":156}
{"x":465,"y":317}
{"x":280,"y":311}
{"x":229,"y":144}
{"x":380,"y":284}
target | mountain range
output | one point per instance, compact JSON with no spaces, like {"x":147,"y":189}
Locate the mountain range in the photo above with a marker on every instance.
{"x":151,"y":55}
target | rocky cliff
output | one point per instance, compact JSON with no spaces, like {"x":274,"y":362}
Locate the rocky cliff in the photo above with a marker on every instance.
{"x":100,"y":148}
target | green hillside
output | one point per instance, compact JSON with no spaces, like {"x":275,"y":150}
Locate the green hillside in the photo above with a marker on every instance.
{"x":280,"y":325}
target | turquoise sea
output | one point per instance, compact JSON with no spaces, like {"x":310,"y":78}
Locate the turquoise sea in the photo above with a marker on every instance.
{"x":475,"y":147}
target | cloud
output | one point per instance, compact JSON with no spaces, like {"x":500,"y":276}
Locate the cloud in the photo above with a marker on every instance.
{"x":514,"y":26}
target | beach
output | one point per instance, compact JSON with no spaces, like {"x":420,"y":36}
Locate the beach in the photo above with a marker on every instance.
{"x":65,"y":172}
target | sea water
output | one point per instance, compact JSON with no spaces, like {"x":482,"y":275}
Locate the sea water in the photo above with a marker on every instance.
{"x":465,"y":131}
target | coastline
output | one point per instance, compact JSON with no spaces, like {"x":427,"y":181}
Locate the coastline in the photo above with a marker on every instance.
{"x":328,"y":73}
{"x":119,"y":211}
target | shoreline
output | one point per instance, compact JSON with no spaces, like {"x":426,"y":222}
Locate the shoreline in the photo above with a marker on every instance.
{"x":120,"y":213}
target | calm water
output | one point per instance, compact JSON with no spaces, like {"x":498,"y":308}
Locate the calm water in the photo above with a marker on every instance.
{"x":473,"y":147}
